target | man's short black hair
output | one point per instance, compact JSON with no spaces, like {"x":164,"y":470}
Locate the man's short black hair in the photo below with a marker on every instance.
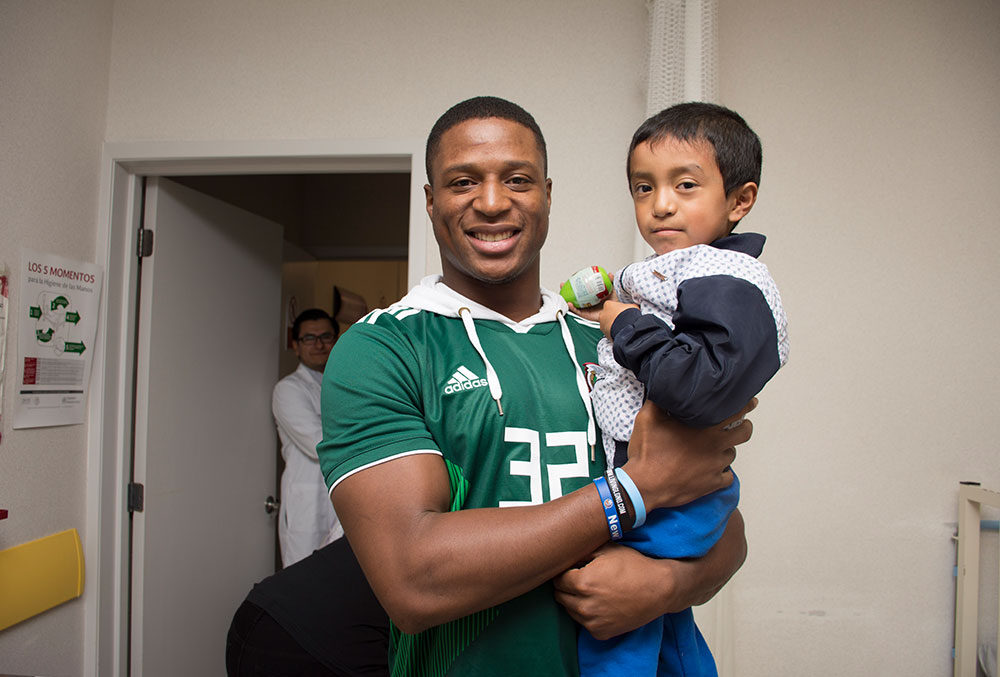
{"x":737,"y":147}
{"x":312,"y":314}
{"x":481,"y":108}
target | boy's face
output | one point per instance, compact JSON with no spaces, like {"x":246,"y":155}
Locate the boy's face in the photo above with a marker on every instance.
{"x":679,"y":195}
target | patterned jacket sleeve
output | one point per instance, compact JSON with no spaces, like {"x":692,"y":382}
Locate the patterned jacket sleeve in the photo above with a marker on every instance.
{"x":722,"y":350}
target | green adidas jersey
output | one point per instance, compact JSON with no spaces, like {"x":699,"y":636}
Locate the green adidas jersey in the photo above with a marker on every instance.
{"x":407,"y":380}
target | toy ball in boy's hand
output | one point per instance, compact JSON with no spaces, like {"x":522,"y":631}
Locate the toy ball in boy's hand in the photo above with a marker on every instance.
{"x":587,"y":287}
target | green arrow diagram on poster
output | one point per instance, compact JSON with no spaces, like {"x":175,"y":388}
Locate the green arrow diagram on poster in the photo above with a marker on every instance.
{"x":59,"y":311}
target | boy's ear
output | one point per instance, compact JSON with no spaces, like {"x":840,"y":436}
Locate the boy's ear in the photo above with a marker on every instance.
{"x":742,"y":200}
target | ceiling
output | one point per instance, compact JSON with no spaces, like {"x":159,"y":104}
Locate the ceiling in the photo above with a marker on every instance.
{"x":325,"y":216}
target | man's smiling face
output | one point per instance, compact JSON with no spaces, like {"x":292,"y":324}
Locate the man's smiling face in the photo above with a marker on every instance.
{"x":488,"y":203}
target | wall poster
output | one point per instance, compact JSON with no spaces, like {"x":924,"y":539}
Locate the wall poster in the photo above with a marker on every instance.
{"x":57,"y":324}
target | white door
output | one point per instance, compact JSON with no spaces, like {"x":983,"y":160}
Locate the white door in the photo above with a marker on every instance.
{"x":204,"y":438}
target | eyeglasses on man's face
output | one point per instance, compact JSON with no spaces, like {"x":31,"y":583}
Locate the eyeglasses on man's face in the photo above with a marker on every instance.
{"x":311,"y":339}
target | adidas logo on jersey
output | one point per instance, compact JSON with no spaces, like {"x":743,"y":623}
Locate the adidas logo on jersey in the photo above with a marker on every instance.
{"x":463,"y":379}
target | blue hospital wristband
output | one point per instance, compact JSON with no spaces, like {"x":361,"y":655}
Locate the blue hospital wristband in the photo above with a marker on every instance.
{"x":608,"y":503}
{"x":633,"y":493}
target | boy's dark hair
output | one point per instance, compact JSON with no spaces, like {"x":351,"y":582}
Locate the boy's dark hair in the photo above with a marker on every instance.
{"x":312,"y":314}
{"x":481,"y":108}
{"x":737,"y":147}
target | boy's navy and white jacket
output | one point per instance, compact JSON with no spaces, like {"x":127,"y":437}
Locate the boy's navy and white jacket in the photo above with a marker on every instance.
{"x":709,"y":333}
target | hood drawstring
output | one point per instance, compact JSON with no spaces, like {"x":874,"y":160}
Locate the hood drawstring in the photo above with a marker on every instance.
{"x":427,"y":298}
{"x":496,"y":392}
{"x":581,"y":383}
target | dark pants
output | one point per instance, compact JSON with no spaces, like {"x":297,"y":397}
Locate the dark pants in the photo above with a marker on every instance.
{"x":258,"y":647}
{"x":315,"y":618}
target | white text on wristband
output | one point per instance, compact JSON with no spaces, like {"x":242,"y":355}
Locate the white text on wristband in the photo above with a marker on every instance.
{"x":608,"y":503}
{"x":616,"y":493}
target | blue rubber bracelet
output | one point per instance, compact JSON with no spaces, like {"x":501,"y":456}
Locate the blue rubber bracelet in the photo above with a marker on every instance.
{"x":633,"y":493}
{"x":608,"y":503}
{"x":616,"y":492}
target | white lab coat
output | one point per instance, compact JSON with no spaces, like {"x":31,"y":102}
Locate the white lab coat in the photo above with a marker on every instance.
{"x":306,"y":519}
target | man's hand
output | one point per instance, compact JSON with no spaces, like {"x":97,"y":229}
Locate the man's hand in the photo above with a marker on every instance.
{"x":619,"y":589}
{"x":673,"y":464}
{"x":611,"y":593}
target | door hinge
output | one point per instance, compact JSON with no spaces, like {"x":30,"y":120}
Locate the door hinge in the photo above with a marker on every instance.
{"x":145,"y":243}
{"x":135,"y":497}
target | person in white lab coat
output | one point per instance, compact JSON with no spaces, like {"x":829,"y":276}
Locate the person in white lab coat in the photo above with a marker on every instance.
{"x":306,"y":521}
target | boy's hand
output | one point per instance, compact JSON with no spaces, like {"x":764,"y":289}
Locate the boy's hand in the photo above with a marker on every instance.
{"x":610,"y":310}
{"x":592,"y":313}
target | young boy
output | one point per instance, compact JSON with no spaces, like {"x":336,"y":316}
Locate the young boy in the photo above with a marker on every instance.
{"x":698,"y":328}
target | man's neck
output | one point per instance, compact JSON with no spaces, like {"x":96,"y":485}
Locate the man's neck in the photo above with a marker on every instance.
{"x":517,"y":300}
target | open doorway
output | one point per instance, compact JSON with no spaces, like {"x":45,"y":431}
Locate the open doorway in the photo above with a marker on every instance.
{"x":344,"y":247}
{"x":126,"y":168}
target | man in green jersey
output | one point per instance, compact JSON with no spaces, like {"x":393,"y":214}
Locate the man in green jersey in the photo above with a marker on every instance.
{"x":460,"y":447}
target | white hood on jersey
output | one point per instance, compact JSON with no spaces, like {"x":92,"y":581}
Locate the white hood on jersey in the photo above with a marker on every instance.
{"x":434,"y":296}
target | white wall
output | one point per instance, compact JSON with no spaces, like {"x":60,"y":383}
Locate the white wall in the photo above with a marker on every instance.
{"x":230,"y":69}
{"x":53,"y":93}
{"x":881,"y":146}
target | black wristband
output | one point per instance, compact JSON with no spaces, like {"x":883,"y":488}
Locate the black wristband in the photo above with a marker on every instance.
{"x":616,"y":493}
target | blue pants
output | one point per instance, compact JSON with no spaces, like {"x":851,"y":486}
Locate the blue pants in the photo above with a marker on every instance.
{"x":669,"y":645}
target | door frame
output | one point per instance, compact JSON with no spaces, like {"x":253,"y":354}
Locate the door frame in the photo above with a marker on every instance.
{"x":123,"y":166}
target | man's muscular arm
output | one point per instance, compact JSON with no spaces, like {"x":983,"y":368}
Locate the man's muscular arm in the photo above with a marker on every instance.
{"x":428,"y":565}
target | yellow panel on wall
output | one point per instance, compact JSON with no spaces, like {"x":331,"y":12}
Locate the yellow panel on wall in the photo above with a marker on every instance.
{"x":39,"y":575}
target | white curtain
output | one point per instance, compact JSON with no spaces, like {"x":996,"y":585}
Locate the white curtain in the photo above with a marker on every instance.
{"x":681,"y":60}
{"x":682,"y":65}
